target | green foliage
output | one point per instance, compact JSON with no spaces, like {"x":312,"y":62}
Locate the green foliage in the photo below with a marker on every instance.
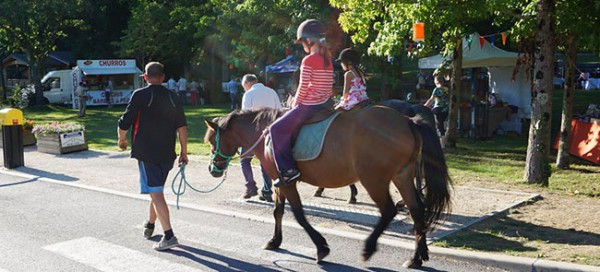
{"x":20,"y":97}
{"x":34,"y":27}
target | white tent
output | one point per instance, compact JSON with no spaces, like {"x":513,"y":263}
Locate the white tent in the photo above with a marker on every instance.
{"x":500,"y":65}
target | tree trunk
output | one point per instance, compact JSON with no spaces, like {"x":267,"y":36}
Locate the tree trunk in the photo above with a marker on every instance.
{"x":563,"y":157}
{"x":455,"y":87}
{"x":537,"y":166}
{"x":34,"y":71}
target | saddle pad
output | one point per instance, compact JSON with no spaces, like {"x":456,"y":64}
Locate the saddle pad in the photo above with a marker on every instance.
{"x":309,"y":142}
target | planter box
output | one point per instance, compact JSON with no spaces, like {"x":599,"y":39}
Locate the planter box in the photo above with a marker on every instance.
{"x":28,"y":138}
{"x":61,"y":143}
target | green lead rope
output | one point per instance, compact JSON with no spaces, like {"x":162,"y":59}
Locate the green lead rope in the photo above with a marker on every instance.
{"x":183,"y":183}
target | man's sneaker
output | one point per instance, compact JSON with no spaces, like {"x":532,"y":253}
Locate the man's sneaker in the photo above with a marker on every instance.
{"x":166,"y":244}
{"x":148,"y":230}
{"x":266,"y":198}
{"x":250,"y":193}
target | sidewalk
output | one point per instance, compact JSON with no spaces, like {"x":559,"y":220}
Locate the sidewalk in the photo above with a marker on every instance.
{"x":115,"y":171}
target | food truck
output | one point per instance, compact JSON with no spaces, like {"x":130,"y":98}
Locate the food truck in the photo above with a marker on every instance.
{"x":64,"y":86}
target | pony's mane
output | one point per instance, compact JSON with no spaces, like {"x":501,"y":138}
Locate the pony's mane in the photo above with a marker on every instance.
{"x":261,"y":117}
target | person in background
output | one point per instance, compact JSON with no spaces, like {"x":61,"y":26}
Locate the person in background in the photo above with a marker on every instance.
{"x":232,"y":87}
{"x":439,"y":100}
{"x":182,"y":88}
{"x":108,"y":92}
{"x":156,"y":117}
{"x":256,"y":95}
{"x":355,"y":85}
{"x":194,"y":92}
{"x":172,"y":84}
{"x":314,"y":91}
{"x":82,"y":95}
{"x":202,"y":91}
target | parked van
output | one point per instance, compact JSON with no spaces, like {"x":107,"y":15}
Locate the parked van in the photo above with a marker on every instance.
{"x":64,"y":86}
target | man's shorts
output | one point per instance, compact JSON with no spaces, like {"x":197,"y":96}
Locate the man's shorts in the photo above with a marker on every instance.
{"x":153,"y":176}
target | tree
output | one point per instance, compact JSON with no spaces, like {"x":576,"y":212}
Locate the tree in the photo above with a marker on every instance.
{"x":576,"y":29}
{"x":391,"y":21}
{"x":537,"y":167}
{"x":34,"y":27}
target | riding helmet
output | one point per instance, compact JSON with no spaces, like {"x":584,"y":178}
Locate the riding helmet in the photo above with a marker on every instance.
{"x":312,"y":29}
{"x":349,"y":55}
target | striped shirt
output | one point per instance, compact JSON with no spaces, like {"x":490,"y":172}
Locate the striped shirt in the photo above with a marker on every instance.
{"x":316,"y":81}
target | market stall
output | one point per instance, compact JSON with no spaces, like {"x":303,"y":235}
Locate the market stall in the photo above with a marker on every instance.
{"x":93,"y":75}
{"x":512,"y":91}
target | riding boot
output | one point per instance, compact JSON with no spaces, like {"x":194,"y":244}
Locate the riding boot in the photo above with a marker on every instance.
{"x":286,"y":178}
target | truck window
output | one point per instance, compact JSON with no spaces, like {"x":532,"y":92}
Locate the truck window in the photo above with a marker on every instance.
{"x":51,"y":83}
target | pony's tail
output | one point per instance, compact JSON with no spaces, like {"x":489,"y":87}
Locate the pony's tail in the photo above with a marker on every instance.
{"x":437,"y":180}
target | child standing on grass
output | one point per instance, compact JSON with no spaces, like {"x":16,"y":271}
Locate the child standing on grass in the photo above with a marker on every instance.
{"x":355,"y":86}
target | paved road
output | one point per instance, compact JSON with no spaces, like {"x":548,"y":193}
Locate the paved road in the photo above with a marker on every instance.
{"x":50,"y":226}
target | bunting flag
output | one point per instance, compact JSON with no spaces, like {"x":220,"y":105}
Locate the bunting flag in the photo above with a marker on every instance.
{"x":503,"y":38}
{"x":492,"y":40}
{"x":481,"y":41}
{"x":469,"y":41}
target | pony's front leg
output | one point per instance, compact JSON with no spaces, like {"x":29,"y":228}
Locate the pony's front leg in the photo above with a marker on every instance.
{"x":291,"y":192}
{"x":275,"y":242}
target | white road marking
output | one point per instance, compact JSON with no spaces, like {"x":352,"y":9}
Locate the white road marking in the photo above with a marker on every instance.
{"x":109,"y":257}
{"x":240,"y":243}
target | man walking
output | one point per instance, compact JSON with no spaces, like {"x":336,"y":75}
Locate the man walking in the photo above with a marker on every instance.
{"x":256,"y":96}
{"x":156,"y":117}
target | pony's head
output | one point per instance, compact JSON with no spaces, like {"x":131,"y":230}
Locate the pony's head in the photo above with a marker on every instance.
{"x":222,"y":149}
{"x":227,"y":133}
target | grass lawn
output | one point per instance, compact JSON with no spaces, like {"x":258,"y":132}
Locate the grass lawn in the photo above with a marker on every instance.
{"x":101,"y":123}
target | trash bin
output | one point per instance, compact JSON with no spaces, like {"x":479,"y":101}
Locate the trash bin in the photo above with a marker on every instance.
{"x":12,"y":137}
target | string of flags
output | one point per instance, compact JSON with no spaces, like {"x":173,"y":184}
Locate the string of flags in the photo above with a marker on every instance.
{"x":482,"y":39}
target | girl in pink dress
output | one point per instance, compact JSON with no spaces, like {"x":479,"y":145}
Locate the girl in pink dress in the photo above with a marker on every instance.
{"x":355,"y":86}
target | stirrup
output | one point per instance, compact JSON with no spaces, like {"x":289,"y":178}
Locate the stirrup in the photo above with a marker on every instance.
{"x":288,"y":177}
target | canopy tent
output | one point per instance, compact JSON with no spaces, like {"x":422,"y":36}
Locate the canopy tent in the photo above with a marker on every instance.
{"x":284,"y":68}
{"x":500,"y":65}
{"x":476,"y":56}
{"x":287,"y":65}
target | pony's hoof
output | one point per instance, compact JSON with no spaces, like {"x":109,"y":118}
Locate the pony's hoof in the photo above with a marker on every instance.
{"x":271,"y":245}
{"x":367,"y":255}
{"x":318,"y":193}
{"x":352,"y":201}
{"x":413,"y":264}
{"x":321,"y":254}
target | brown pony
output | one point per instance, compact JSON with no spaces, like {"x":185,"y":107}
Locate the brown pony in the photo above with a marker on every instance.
{"x":374,"y":145}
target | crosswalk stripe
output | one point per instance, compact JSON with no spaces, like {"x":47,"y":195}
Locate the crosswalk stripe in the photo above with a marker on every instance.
{"x":238,"y":242}
{"x":109,"y":257}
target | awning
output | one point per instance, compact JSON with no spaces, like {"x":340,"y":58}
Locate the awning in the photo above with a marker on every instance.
{"x":111,"y":71}
{"x":287,"y":65}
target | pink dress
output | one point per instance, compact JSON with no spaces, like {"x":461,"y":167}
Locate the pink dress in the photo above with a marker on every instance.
{"x":356,"y":94}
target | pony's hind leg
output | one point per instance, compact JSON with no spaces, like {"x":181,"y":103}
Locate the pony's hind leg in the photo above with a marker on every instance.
{"x":291,"y":193}
{"x":380,"y":193}
{"x":353,"y":193}
{"x":415,"y":206}
{"x":275,"y":242}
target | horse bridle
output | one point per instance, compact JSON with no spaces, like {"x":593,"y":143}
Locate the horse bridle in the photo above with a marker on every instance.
{"x":228,"y":158}
{"x":213,"y":166}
